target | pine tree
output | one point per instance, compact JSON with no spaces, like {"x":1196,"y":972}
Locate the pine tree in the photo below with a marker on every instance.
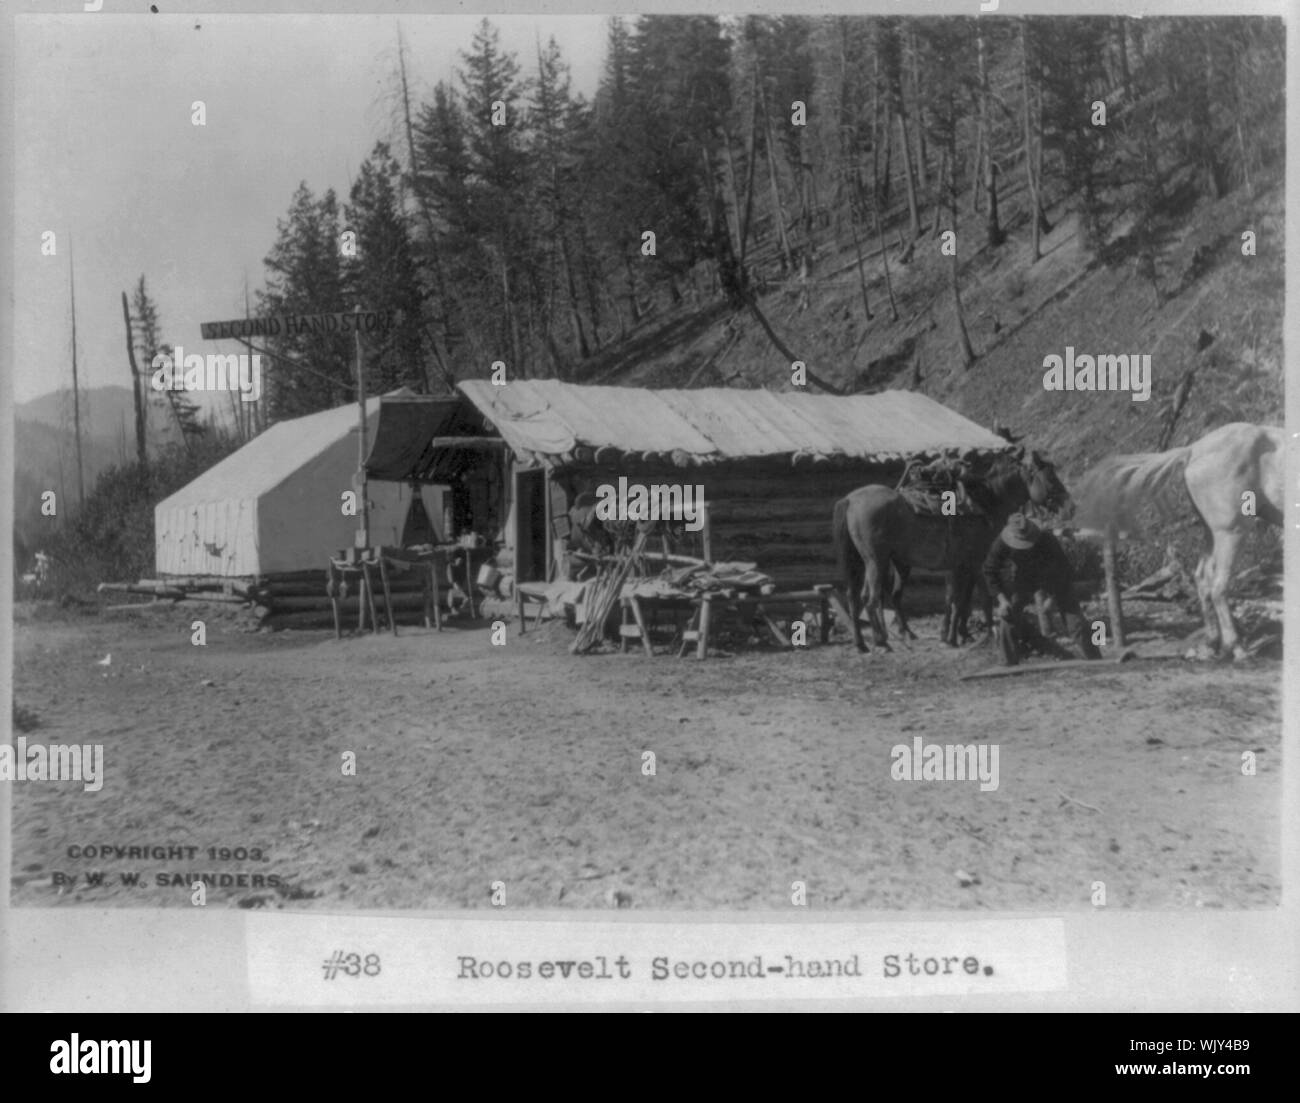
{"x":382,"y":275}
{"x":146,"y":333}
{"x":307,"y":372}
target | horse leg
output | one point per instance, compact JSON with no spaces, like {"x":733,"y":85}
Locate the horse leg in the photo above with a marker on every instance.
{"x":951,"y":613}
{"x":1225,"y":554}
{"x":854,"y":581}
{"x":965,"y":597}
{"x":1202,"y":575}
{"x":901,"y":572}
{"x":874,"y":566}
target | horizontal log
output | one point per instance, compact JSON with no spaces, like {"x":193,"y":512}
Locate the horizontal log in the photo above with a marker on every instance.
{"x":288,"y":590}
{"x":739,"y":510}
{"x":208,"y":582}
{"x":313,"y":618}
{"x":293,"y":576}
{"x":756,"y":534}
{"x":400,"y":601}
{"x":144,"y":586}
{"x":398,"y":584}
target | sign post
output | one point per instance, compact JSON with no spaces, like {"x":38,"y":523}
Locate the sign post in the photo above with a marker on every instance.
{"x":363,"y":536}
{"x":356,"y":322}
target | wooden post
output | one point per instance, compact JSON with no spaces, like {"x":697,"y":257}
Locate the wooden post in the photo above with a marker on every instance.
{"x":706,"y":533}
{"x":706,"y":615}
{"x":1112,"y":588}
{"x":824,"y":614}
{"x":361,"y":442}
{"x":388,"y":597}
{"x":437,"y":596}
{"x":635,"y":602}
{"x":334,"y":599}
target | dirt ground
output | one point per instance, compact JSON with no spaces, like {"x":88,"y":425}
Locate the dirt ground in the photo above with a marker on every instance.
{"x":524,"y":765}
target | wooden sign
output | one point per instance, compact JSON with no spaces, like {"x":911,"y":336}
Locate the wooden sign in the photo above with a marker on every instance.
{"x":299,"y":325}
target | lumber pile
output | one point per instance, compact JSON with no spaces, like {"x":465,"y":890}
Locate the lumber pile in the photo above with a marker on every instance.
{"x":294,"y":599}
{"x":603,"y":592}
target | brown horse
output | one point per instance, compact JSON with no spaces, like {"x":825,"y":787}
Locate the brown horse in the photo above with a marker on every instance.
{"x":879,"y":538}
{"x":1232,"y":478}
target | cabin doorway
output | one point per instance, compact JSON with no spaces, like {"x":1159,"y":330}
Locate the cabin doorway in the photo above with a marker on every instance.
{"x":530,"y":525}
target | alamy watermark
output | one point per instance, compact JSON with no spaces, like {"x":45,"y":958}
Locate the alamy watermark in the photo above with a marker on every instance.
{"x":213,"y":372}
{"x":656,"y":502}
{"x":114,"y":1058}
{"x":1105,"y":372}
{"x":946,"y":762}
{"x":57,"y":762}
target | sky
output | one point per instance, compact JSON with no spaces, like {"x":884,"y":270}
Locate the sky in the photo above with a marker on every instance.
{"x":107,"y":157}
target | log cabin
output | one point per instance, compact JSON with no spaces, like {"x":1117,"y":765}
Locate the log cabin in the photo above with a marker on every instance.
{"x":513,"y":458}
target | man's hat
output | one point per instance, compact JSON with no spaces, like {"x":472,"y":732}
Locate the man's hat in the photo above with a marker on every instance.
{"x":1020,"y":532}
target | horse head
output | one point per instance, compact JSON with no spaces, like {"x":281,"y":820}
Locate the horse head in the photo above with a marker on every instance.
{"x":1042,"y":482}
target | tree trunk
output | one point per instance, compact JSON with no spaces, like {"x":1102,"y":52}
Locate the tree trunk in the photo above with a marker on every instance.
{"x":575,"y":314}
{"x":862,"y":276}
{"x":914,"y":218}
{"x":631,"y":291}
{"x":751,"y":147}
{"x":963,"y":338}
{"x":879,"y":133}
{"x":922,"y":166}
{"x":939,"y":197}
{"x":1035,"y":253}
{"x":984,"y":165}
{"x":777,"y":212}
{"x":884,"y":257}
{"x":141,"y":450}
{"x":1121,"y":36}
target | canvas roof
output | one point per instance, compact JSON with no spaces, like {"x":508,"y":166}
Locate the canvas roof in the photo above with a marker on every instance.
{"x":546,"y":420}
{"x":271,"y":457}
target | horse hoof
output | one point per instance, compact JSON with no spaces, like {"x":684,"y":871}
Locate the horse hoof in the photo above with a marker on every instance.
{"x":1239,"y":653}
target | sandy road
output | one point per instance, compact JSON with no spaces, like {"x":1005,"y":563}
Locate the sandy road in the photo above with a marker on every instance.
{"x":523,"y":765}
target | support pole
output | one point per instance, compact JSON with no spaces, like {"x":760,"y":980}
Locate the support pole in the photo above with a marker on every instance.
{"x":1112,"y":588}
{"x":364,"y":534}
{"x":706,"y":617}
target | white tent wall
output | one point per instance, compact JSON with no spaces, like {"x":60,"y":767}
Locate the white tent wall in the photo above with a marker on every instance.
{"x":206,"y":538}
{"x":277,"y":504}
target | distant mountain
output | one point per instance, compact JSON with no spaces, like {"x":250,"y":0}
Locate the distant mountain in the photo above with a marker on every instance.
{"x":45,"y":456}
{"x":106,"y":412}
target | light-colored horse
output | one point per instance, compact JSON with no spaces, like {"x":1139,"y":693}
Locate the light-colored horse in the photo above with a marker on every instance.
{"x":1232,"y":478}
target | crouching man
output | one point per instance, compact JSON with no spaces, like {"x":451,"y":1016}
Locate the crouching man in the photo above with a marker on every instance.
{"x":1022,"y":560}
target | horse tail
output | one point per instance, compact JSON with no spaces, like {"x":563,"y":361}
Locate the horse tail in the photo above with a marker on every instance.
{"x":845,"y":552}
{"x":1115,"y":491}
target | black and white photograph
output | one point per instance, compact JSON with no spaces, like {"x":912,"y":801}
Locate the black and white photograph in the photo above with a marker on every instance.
{"x":614,"y":463}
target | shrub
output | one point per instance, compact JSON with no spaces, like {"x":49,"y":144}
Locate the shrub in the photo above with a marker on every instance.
{"x":111,"y":538}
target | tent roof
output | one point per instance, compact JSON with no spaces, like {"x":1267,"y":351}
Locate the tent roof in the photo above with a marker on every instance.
{"x":271,"y":457}
{"x":401,"y":440}
{"x":548,"y":421}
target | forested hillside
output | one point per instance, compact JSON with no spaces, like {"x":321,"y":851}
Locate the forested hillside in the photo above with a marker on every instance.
{"x":778,"y":162}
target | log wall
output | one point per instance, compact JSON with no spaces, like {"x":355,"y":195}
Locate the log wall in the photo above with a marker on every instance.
{"x":775,"y":515}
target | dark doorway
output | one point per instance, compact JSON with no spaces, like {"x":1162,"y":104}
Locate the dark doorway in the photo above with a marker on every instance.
{"x":530,"y":525}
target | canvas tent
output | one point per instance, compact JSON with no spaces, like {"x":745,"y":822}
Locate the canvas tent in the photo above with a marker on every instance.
{"x":275,"y":506}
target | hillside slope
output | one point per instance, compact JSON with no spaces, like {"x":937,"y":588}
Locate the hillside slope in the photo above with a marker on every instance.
{"x":1016,"y":314}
